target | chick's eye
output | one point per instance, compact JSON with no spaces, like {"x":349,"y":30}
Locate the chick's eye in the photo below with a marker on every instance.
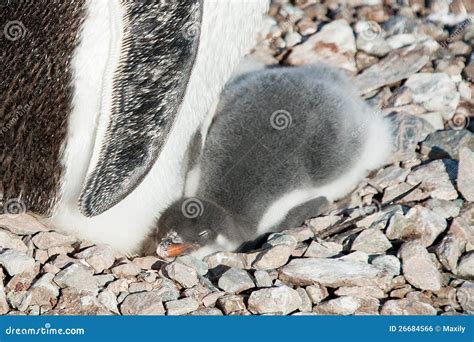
{"x":203,"y":233}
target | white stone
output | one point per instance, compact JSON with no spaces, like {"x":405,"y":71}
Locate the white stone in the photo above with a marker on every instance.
{"x":436,"y":92}
{"x":16,"y":262}
{"x":275,"y":300}
{"x":418,"y":267}
{"x":334,"y":44}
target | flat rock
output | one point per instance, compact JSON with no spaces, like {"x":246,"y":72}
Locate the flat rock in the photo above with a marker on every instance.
{"x":181,"y":306}
{"x":143,"y":303}
{"x":19,"y":300}
{"x":356,"y":256}
{"x":16,"y":262}
{"x":273,"y":257}
{"x":465,"y":181}
{"x":465,"y":295}
{"x":436,"y":178}
{"x":12,"y":241}
{"x":139,"y":287}
{"x":330,"y":272}
{"x":368,"y":306}
{"x":199,"y":266}
{"x":388,"y":263}
{"x":444,"y":208}
{"x":306,"y":302}
{"x":230,"y":259}
{"x":396,"y":66}
{"x":75,"y":302}
{"x":147,"y":263}
{"x":99,"y":258}
{"x":407,"y":307}
{"x":463,"y":230}
{"x":235,"y":281}
{"x":44,"y":292}
{"x":415,"y":258}
{"x":127,"y":269}
{"x":419,"y":223}
{"x":275,"y":300}
{"x":371,"y":241}
{"x":445,"y":143}
{"x":166,"y":289}
{"x":22,"y":224}
{"x":231,"y":303}
{"x":108,"y":299}
{"x":211,"y":299}
{"x":184,"y":275}
{"x":360,"y":291}
{"x":334,"y":44}
{"x":466,"y":266}
{"x":400,"y":40}
{"x":323,"y":249}
{"x":263,"y":279}
{"x":364,"y":60}
{"x":23,"y":281}
{"x":206,"y":312}
{"x":77,"y":277}
{"x":389,"y":176}
{"x":300,"y":234}
{"x":436,"y":92}
{"x":117,"y":286}
{"x":316,"y":293}
{"x":376,"y":46}
{"x":46,"y":240}
{"x":346,"y":305}
{"x":321,"y":223}
{"x":449,"y":251}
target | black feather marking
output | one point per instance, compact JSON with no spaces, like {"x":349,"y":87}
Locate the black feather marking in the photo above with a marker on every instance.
{"x":37,"y":43}
{"x":161,"y":40}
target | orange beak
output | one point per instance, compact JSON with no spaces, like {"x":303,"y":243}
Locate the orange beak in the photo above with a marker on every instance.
{"x":177,"y":249}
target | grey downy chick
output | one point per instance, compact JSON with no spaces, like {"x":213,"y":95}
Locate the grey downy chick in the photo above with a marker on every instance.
{"x":283,"y":143}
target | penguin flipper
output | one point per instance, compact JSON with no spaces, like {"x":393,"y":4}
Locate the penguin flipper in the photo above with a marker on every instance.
{"x":160,"y":43}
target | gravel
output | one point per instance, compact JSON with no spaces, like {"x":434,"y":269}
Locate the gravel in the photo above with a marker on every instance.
{"x":415,"y":258}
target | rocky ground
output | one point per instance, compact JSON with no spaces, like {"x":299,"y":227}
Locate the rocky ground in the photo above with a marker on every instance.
{"x":413,"y":257}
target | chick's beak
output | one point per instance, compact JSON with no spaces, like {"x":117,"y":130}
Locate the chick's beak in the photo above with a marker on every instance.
{"x":169,"y":249}
{"x":177,"y":249}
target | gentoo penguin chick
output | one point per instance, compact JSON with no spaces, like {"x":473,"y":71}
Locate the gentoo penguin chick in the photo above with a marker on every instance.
{"x":99,"y":100}
{"x":284,"y":142}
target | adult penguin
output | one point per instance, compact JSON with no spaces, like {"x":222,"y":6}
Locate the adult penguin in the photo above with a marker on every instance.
{"x":99,"y":101}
